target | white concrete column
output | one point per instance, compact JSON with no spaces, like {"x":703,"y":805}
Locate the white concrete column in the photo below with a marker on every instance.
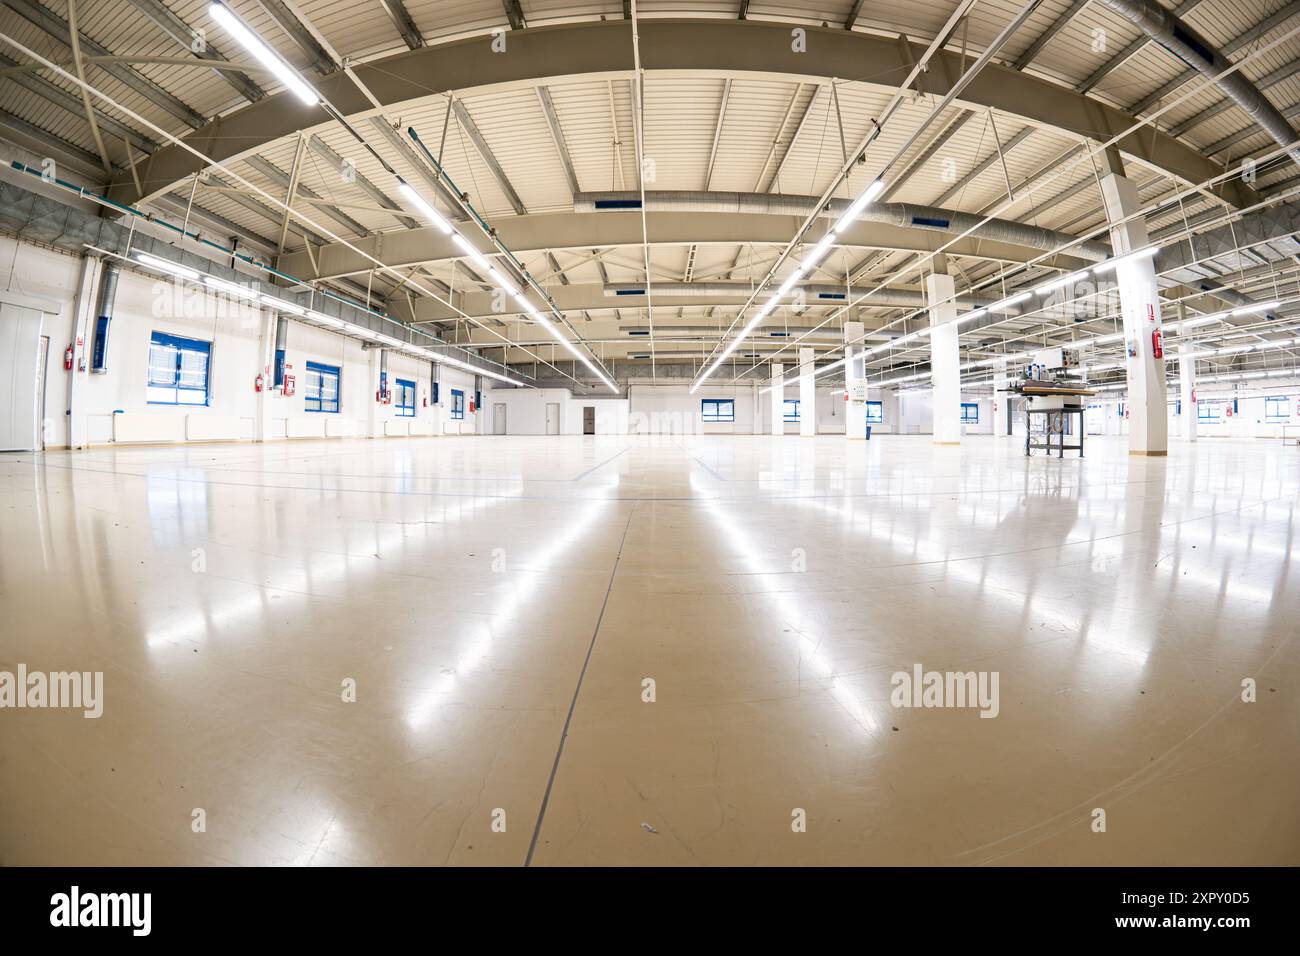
{"x":1148,"y":417}
{"x":1001,"y":401}
{"x":1187,"y":390}
{"x":83,"y":327}
{"x":807,"y":394}
{"x":855,"y":383}
{"x":778,"y":399}
{"x":374,"y":422}
{"x":265,"y":356}
{"x":945,"y":370}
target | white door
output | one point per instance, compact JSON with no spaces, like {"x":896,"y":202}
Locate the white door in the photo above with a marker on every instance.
{"x":20,"y":334}
{"x":552,"y":419}
{"x":499,"y":418}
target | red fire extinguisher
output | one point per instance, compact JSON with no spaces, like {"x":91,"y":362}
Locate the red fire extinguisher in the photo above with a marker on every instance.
{"x":67,"y":359}
{"x":258,"y":382}
{"x":1157,"y":344}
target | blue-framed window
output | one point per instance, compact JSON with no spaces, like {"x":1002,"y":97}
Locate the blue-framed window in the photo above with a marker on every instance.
{"x":404,"y":396}
{"x":791,"y":410}
{"x":875,"y":413}
{"x":970,"y":412}
{"x":178,"y":370}
{"x":1208,"y":412}
{"x":457,"y":404}
{"x":1275,"y":408}
{"x":321,"y":387}
{"x":717,"y":410}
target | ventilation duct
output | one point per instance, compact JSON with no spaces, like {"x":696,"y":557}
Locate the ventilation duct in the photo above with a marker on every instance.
{"x":103,"y":319}
{"x":815,"y":294}
{"x":902,"y":215}
{"x":1200,"y":54}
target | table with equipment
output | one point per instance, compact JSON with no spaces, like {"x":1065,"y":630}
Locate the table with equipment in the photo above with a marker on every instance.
{"x":1051,"y":393}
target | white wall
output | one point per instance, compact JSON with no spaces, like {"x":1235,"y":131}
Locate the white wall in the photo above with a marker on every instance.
{"x":526,"y":411}
{"x":242,"y":343}
{"x":672,"y":409}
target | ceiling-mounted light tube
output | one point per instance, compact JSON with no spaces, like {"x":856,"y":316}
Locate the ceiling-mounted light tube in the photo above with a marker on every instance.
{"x":423,"y":206}
{"x":874,"y":189}
{"x":1110,"y":264}
{"x":1002,"y":305}
{"x":818,"y":251}
{"x":1258,"y":307}
{"x":280,"y":305}
{"x":970,"y":316}
{"x":230,"y":288}
{"x":324,"y":319}
{"x":162,"y":265}
{"x":471,"y":251}
{"x":1062,"y":282}
{"x":263,"y":53}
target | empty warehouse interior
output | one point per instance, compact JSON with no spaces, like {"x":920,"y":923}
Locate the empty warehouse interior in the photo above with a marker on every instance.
{"x":662,"y":433}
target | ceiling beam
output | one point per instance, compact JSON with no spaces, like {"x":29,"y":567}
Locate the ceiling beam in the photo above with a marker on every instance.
{"x":402,"y":21}
{"x":557,"y":134}
{"x":184,"y":35}
{"x":71,"y":104}
{"x":1131,"y":50}
{"x":583,"y":232}
{"x":515,"y":14}
{"x":471,"y":128}
{"x":54,"y":25}
{"x":706,"y":46}
{"x":1057,"y":25}
{"x":317,"y":146}
{"x":302,"y":37}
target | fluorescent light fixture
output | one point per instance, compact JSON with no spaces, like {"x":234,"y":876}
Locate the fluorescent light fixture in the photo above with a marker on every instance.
{"x":251,"y":42}
{"x":423,"y":205}
{"x":1002,"y":305}
{"x":1062,"y":282}
{"x":1231,"y":349}
{"x":471,"y":251}
{"x":230,"y":288}
{"x":969,"y":316}
{"x":1110,"y":264}
{"x":282,"y":306}
{"x":788,"y":284}
{"x":324,"y":319}
{"x":1258,"y":307}
{"x":1201,"y":320}
{"x":818,"y":251}
{"x":162,"y":265}
{"x":874,"y":189}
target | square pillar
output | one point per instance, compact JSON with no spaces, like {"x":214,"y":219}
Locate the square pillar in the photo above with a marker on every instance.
{"x":1187,"y":390}
{"x":1001,"y":401}
{"x":1148,"y":414}
{"x":265,"y":358}
{"x":945,"y":370}
{"x":807,"y":394}
{"x":778,"y":398}
{"x":855,"y":384}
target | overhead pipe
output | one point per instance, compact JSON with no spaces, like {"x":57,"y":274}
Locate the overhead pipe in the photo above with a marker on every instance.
{"x":1200,"y":54}
{"x":103,"y":318}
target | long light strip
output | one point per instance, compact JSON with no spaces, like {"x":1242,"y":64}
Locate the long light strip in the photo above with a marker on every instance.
{"x":162,"y":265}
{"x":249,"y":39}
{"x":263,"y":53}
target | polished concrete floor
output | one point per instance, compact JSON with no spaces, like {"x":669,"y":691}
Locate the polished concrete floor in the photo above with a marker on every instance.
{"x":488,"y":594}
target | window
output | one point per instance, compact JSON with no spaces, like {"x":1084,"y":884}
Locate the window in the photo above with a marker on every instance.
{"x":792,"y":409}
{"x":1275,"y":409}
{"x":321,"y":387}
{"x":970,"y":412}
{"x":716,"y":410}
{"x":1207,"y":411}
{"x":405,"y":395}
{"x":875,"y":413}
{"x":457,"y":403}
{"x":178,"y":370}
